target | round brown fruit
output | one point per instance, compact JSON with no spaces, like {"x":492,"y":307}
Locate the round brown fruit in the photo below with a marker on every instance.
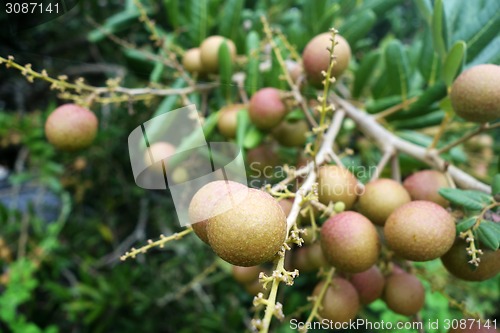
{"x":71,"y":127}
{"x":350,"y":242}
{"x":158,"y":151}
{"x":369,"y":284}
{"x":340,"y":302}
{"x":261,"y":161}
{"x":192,"y":61}
{"x":456,"y":262}
{"x":247,"y":233}
{"x":227,"y":120}
{"x":204,"y":201}
{"x":404,"y":294}
{"x":209,"y":52}
{"x":337,"y":184}
{"x":472,"y":327}
{"x":475,"y":94}
{"x":420,"y":231}
{"x":254,"y":288}
{"x":380,"y":198}
{"x":286,"y":205}
{"x":246,"y":275}
{"x":425,"y":184}
{"x":291,"y":133}
{"x":266,"y":108}
{"x":316,"y":57}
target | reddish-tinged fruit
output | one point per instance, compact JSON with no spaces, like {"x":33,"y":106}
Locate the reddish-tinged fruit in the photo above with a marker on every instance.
{"x":227,"y":120}
{"x":369,"y":284}
{"x":246,"y":275}
{"x":209,"y":52}
{"x":286,"y":205}
{"x":424,"y":185}
{"x":340,"y":302}
{"x":337,"y":184}
{"x":404,"y":294}
{"x":350,"y":242}
{"x":266,"y":108}
{"x":475,"y":94}
{"x":158,"y":151}
{"x":380,"y":198}
{"x":316,"y":57}
{"x":71,"y":127}
{"x":420,"y":231}
{"x":261,"y":161}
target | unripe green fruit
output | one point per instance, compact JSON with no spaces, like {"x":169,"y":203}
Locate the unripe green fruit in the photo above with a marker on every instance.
{"x":204,"y":200}
{"x":404,"y":294}
{"x":316,"y":57}
{"x":248,"y":233}
{"x":456,"y":262}
{"x":337,"y":184}
{"x":266,"y":108}
{"x":246,"y":275}
{"x":350,"y":242}
{"x":291,"y":133}
{"x":192,"y":61}
{"x":380,"y":198}
{"x":227,"y":120}
{"x":209,"y":52}
{"x":424,"y":185}
{"x":420,"y":231}
{"x":475,"y":94}
{"x":369,"y":284}
{"x":472,"y":327}
{"x":340,"y":302}
{"x":158,"y":151}
{"x":71,"y":127}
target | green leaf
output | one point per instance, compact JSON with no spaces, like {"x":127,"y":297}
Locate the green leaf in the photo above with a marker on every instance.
{"x":358,"y":26}
{"x":438,"y":28}
{"x":495,"y":184}
{"x":423,"y":121}
{"x":424,"y":103}
{"x":198,"y":20}
{"x":253,"y":137}
{"x":458,"y":197}
{"x":397,"y":68}
{"x":113,"y":24}
{"x":226,"y":71}
{"x":243,"y":122}
{"x":172,"y":11}
{"x":466,"y":224}
{"x":365,"y":72}
{"x":482,"y":197}
{"x":230,"y":18}
{"x":425,"y":8}
{"x":296,"y":114}
{"x":253,"y":74}
{"x":454,"y":62}
{"x":488,"y":236}
{"x":429,"y":62}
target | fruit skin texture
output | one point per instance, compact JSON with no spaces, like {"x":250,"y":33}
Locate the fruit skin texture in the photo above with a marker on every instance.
{"x":316,"y":57}
{"x":369,"y":284}
{"x":204,"y":201}
{"x":404,"y":294}
{"x":250,"y":233}
{"x":291,"y":134}
{"x":246,"y":275}
{"x":340,"y":302}
{"x":266,"y":109}
{"x":227,"y":120}
{"x":209,"y":52}
{"x":420,"y":231}
{"x":350,"y":242}
{"x":456,"y":262}
{"x":71,"y":127}
{"x":192,"y":61}
{"x":476,"y":328}
{"x":425,"y":184}
{"x":380,"y":198}
{"x":475,"y":94}
{"x":337,"y":184}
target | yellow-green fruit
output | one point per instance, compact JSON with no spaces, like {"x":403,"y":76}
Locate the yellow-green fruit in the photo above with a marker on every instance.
{"x":456,"y":262}
{"x":71,"y":127}
{"x":227,"y":120}
{"x":192,"y":60}
{"x":266,"y":109}
{"x":475,"y":94}
{"x":158,"y":155}
{"x":470,"y":326}
{"x":204,"y":200}
{"x":340,"y":302}
{"x":420,"y":231}
{"x":404,"y":294}
{"x":209,"y":52}
{"x":291,"y":133}
{"x":425,"y":184}
{"x":316,"y":57}
{"x":246,"y":275}
{"x":248,"y":233}
{"x":337,"y":184}
{"x":369,"y":284}
{"x":350,"y":242}
{"x":380,"y":198}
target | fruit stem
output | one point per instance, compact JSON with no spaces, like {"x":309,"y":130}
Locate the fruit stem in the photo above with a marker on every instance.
{"x":482,"y":128}
{"x":271,"y":300}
